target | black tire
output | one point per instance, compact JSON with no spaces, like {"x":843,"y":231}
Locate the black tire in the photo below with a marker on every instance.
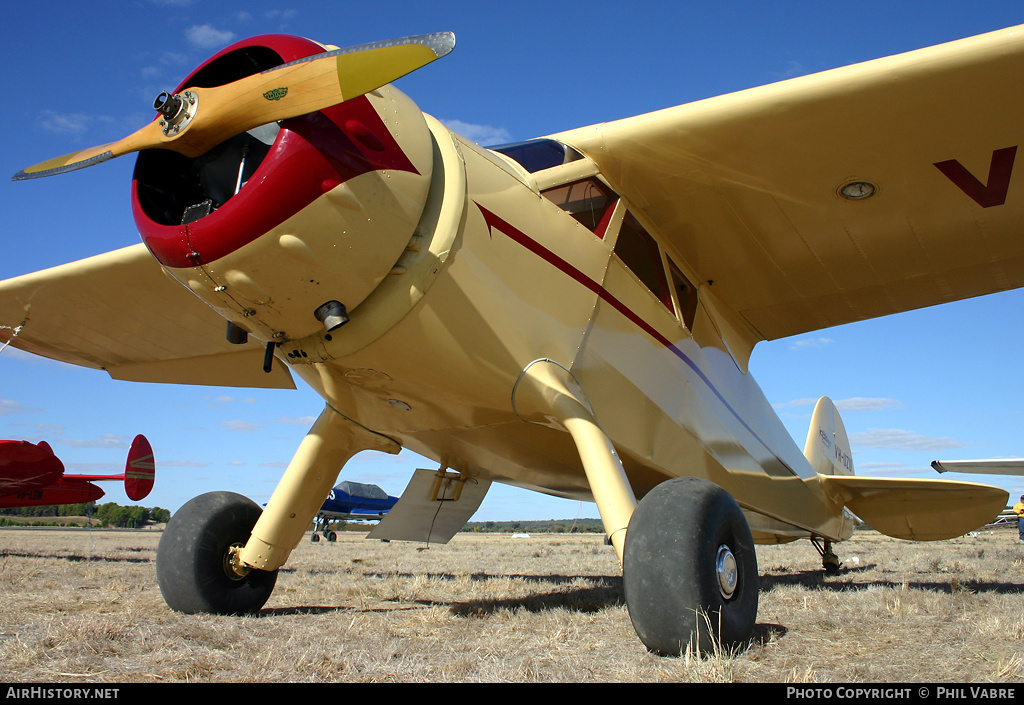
{"x":669,"y":569}
{"x":190,"y":559}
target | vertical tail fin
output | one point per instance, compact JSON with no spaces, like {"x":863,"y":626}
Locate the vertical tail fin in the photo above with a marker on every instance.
{"x":827,"y":448}
{"x":139,"y":469}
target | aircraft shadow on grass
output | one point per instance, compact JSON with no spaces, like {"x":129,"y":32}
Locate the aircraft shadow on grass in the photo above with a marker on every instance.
{"x":73,"y":557}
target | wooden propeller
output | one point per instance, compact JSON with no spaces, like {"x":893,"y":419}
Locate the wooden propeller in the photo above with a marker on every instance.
{"x":197,"y":119}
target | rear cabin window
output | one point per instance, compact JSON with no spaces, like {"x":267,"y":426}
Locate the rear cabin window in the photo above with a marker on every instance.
{"x":686,"y":295}
{"x":638,"y":251}
{"x":589,"y":202}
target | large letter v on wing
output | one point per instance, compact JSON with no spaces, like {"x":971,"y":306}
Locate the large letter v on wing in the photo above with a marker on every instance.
{"x":985,"y":195}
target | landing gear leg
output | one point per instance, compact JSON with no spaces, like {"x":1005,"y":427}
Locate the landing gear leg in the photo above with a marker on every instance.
{"x":690,"y":569}
{"x":546,"y":390}
{"x":333,"y":439}
{"x":829,"y":560}
{"x":220,"y":553}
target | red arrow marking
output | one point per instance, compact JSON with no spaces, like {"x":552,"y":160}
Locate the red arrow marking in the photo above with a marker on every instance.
{"x":985,"y":195}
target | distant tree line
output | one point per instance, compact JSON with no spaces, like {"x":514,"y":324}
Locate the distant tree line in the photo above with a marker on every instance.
{"x":108,"y":514}
{"x":547,"y":526}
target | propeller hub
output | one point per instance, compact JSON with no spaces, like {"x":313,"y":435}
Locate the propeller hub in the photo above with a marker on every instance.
{"x":176,"y":111}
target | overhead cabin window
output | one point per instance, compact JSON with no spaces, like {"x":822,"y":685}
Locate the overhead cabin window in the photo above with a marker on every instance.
{"x":638,"y":251}
{"x":686,"y":295}
{"x":589,"y":202}
{"x":537,"y":155}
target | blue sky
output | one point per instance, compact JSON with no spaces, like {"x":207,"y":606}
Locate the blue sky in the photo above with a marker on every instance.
{"x":942,"y":383}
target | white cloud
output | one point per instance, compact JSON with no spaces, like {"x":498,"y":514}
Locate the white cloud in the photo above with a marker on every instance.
{"x":899,"y":439}
{"x":281,"y":14}
{"x":851,"y":404}
{"x":7,"y":406}
{"x":240,"y":426}
{"x":204,"y":36}
{"x":481,"y":134}
{"x":297,"y":420}
{"x":881,"y":467}
{"x":75,"y":124}
{"x":792,"y":69}
{"x":105,"y":441}
{"x":866,"y":404}
{"x":810,"y":343}
{"x":227,"y":399}
{"x":795,"y":402}
{"x":51,"y":429}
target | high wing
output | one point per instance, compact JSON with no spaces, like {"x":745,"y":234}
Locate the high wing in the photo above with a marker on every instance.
{"x":118,"y":312}
{"x":746,"y":187}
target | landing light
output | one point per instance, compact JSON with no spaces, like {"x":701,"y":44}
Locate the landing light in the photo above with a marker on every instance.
{"x":857,"y":190}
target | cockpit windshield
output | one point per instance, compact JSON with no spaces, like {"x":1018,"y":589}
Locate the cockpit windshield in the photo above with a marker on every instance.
{"x":537,"y":155}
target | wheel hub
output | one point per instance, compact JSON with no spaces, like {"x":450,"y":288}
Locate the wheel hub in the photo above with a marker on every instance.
{"x":233,"y":566}
{"x":726,"y":572}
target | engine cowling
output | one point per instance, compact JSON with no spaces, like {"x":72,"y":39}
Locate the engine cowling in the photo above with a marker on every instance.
{"x":271,"y":224}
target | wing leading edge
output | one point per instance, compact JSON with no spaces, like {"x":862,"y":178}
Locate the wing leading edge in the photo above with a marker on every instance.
{"x":118,"y":312}
{"x":747,"y":187}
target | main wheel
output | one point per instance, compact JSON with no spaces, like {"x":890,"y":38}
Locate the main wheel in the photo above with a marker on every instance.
{"x":689,"y":569}
{"x":192,"y":559}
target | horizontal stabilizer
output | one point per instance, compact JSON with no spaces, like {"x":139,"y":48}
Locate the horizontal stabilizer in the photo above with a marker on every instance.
{"x":918,"y":510}
{"x":1001,"y":466}
{"x":433,"y":508}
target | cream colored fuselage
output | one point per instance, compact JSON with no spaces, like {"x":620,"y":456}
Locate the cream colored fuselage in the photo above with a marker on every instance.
{"x":456,"y":279}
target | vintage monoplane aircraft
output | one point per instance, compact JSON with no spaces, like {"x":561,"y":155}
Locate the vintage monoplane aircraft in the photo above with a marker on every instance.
{"x":351,"y":500}
{"x":31,"y":475}
{"x":573,"y":314}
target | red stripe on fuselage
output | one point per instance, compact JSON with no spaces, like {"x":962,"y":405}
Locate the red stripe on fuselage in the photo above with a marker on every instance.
{"x":495,"y":222}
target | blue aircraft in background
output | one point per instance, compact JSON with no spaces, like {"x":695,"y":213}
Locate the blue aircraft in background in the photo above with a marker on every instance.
{"x":351,"y":500}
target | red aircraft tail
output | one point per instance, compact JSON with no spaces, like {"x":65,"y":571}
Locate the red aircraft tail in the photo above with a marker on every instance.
{"x":31,"y":475}
{"x":139,"y":469}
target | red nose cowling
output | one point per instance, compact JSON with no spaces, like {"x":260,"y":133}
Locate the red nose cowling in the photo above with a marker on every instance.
{"x":194,"y":211}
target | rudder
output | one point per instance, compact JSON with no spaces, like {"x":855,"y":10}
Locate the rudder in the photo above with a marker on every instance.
{"x":827,"y":448}
{"x":139,"y":469}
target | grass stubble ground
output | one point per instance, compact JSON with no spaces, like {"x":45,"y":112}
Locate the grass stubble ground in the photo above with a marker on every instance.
{"x":81,"y":606}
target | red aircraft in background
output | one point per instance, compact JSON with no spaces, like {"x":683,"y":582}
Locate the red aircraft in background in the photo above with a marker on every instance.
{"x":31,"y":475}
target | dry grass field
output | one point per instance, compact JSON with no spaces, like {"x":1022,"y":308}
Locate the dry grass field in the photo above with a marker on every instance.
{"x":81,"y":606}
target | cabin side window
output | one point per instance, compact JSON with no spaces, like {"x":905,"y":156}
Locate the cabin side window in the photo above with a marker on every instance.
{"x":686,"y":295}
{"x":588,"y":201}
{"x":640,"y":253}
